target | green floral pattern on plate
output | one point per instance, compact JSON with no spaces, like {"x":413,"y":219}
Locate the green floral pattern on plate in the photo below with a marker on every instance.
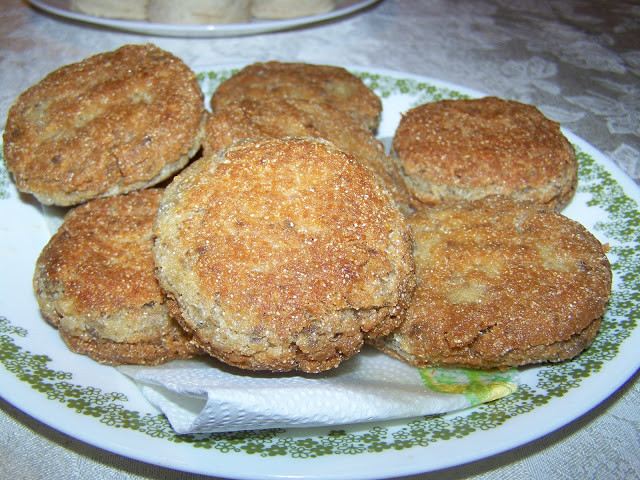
{"x":553,"y":381}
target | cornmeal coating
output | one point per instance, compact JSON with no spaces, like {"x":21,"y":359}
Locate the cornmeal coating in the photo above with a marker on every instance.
{"x":95,"y":281}
{"x":320,"y":83}
{"x":113,"y":123}
{"x":291,"y":117}
{"x":500,"y":284}
{"x":283,"y":254}
{"x":469,"y":149}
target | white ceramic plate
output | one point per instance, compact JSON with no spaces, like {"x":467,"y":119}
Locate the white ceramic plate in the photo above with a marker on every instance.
{"x":62,"y":8}
{"x":98,"y":405}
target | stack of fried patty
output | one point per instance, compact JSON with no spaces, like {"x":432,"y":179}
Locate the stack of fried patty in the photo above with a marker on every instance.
{"x":275,"y":233}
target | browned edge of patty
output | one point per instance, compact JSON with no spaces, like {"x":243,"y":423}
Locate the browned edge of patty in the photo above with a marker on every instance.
{"x":469,"y":149}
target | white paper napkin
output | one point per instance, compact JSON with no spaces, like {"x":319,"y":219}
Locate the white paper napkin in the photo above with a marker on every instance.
{"x":206,"y":396}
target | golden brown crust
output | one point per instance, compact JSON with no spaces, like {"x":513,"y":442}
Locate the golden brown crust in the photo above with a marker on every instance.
{"x":175,"y":343}
{"x":95,"y":281}
{"x":468,"y":149}
{"x":500,"y":284}
{"x":283,"y":254}
{"x":113,"y":123}
{"x":321,"y":83}
{"x":287,"y":117}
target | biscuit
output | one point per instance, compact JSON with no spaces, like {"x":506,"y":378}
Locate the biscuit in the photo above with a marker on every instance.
{"x":124,"y":9}
{"x":285,"y":117}
{"x":95,"y":281}
{"x":321,"y":83}
{"x":468,"y":149}
{"x":113,"y":123}
{"x":283,"y":254}
{"x":199,"y":11}
{"x":500,"y":283}
{"x":277,"y":9}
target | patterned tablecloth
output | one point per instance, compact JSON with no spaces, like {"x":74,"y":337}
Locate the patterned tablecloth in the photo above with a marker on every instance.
{"x":578,"y":61}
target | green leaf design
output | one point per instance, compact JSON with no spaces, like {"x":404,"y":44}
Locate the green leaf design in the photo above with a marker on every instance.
{"x":553,"y":381}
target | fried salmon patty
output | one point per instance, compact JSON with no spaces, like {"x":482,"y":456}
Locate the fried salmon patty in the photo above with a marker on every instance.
{"x":95,"y":281}
{"x":113,"y":123}
{"x":319,"y":83}
{"x":500,"y":284}
{"x":469,"y":149}
{"x":283,"y":254}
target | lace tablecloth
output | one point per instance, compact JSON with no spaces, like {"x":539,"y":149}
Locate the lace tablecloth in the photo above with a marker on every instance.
{"x":578,"y":61}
